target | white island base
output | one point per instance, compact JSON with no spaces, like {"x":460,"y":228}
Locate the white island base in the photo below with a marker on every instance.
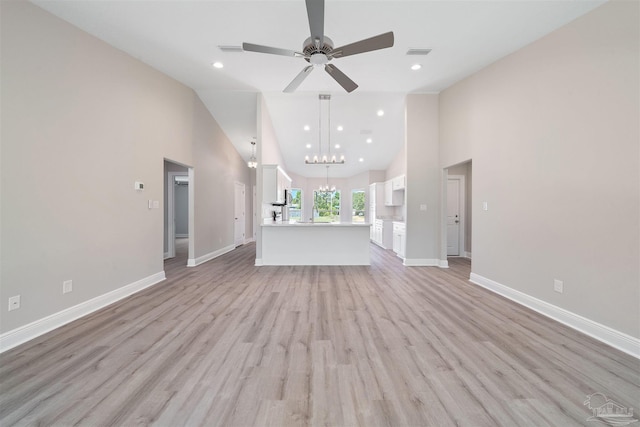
{"x":315,"y":244}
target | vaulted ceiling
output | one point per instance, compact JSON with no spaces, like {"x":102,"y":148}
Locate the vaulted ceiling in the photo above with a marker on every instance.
{"x":183,"y":38}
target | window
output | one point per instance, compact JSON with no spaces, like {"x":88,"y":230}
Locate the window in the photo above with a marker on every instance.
{"x":357,"y":205}
{"x":327,"y":206}
{"x":295,"y":208}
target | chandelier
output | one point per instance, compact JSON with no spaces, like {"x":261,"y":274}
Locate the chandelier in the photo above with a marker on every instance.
{"x":326,"y":188}
{"x":324,"y":158}
{"x":253,"y":163}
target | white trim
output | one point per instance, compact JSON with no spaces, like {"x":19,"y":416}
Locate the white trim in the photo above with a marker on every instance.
{"x":166,"y":255}
{"x":467,"y":254}
{"x":249,"y":240}
{"x":421,"y":262}
{"x":443,"y":263}
{"x":607,"y":335}
{"x":208,"y":257}
{"x":25,"y":333}
{"x":259,"y":262}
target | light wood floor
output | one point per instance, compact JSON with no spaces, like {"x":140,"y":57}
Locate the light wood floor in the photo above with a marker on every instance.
{"x":230,"y":344}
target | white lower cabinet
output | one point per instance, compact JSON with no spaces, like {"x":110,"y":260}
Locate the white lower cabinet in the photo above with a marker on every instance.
{"x":399,"y":238}
{"x":382,"y":233}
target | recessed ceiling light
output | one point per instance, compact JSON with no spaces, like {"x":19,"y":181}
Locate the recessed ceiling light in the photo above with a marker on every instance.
{"x":306,"y":127}
{"x":337,"y":145}
{"x":340,"y":128}
{"x":380,"y":113}
{"x":361,"y":160}
{"x":308,"y":145}
{"x":416,"y":67}
{"x":217,"y":65}
{"x":369,"y":140}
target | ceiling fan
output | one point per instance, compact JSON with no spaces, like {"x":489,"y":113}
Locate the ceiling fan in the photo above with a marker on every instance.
{"x":318,"y":49}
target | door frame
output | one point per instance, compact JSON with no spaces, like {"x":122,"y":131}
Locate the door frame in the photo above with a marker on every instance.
{"x":236,"y":186}
{"x":171,"y":212}
{"x":462,"y":195}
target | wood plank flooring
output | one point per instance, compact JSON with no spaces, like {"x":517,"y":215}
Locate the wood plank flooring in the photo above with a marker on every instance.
{"x":231,"y":344}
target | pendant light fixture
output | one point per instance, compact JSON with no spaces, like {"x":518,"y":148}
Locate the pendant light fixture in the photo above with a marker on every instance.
{"x":253,"y":163}
{"x":326,"y":188}
{"x":325,"y":158}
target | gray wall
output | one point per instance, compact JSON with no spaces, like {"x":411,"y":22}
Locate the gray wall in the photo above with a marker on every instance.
{"x":81,"y":121}
{"x":553,"y":132}
{"x":423,"y":180}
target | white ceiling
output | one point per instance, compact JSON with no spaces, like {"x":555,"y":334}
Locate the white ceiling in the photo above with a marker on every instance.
{"x":181,"y":39}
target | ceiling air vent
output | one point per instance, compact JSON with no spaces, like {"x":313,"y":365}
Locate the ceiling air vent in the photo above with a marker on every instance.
{"x":418,"y":52}
{"x":231,"y":49}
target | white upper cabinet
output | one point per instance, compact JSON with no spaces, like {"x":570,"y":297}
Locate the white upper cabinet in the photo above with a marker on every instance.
{"x":274,"y":182}
{"x":397,"y":183}
{"x":391,"y":196}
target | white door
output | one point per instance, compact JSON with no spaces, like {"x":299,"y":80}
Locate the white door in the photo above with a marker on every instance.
{"x":239,"y":223}
{"x":453,"y":217}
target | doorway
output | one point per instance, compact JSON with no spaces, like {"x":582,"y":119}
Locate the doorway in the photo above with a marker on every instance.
{"x":239,"y":214}
{"x":457,"y":211}
{"x":455,"y":214}
{"x":178,"y":211}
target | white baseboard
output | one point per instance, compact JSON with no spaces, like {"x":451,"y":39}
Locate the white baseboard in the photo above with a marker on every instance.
{"x":20,"y":335}
{"x":259,"y":262}
{"x":166,"y":255}
{"x":249,"y":240}
{"x":191,"y":262}
{"x":421,"y":262}
{"x":607,"y":335}
{"x":443,"y":263}
{"x":467,"y":254}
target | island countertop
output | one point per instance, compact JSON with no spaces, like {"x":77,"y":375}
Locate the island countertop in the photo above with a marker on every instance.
{"x":294,"y":223}
{"x":307,"y":243}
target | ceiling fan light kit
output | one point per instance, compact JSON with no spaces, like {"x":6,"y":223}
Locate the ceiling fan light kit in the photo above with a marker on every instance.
{"x":318,"y":49}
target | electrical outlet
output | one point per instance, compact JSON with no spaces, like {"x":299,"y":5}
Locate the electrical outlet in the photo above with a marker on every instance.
{"x":14,"y":303}
{"x":67,"y":286}
{"x":558,"y":285}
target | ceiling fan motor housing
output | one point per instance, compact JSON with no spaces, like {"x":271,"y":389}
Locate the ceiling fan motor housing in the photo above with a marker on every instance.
{"x":317,"y":55}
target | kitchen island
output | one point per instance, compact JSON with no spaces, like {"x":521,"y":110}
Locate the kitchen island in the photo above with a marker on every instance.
{"x":315,"y":243}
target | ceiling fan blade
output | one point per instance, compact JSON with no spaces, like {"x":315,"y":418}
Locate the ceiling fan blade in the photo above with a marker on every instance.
{"x":267,"y":49}
{"x":315,"y":13}
{"x":299,"y":79}
{"x":381,"y":41}
{"x":342,"y":79}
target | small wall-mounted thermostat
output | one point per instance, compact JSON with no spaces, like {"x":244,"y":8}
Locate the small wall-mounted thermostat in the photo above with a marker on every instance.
{"x":139,"y":185}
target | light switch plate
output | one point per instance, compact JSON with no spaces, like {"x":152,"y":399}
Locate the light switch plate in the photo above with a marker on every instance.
{"x":558,"y":285}
{"x":485,"y":206}
{"x":14,"y":302}
{"x":67,"y":286}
